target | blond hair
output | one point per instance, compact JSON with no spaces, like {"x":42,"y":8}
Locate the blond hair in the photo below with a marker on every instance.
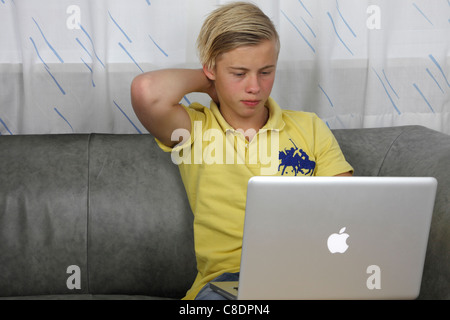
{"x":231,"y":26}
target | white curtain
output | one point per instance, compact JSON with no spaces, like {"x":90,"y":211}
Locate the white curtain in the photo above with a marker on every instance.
{"x":66,"y":65}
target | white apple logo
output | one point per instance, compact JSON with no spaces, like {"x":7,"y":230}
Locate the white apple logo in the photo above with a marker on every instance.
{"x":338,"y":242}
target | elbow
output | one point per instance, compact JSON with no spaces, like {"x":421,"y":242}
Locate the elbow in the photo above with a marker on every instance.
{"x":145,"y":100}
{"x":141,"y":93}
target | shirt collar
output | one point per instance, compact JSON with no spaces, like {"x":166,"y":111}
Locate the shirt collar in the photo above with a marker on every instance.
{"x":275,"y":121}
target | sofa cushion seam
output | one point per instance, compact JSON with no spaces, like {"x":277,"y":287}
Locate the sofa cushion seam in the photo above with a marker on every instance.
{"x":390,"y":147}
{"x":88,"y":208}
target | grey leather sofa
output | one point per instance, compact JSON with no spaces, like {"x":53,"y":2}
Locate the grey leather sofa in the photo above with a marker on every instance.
{"x":105,"y":216}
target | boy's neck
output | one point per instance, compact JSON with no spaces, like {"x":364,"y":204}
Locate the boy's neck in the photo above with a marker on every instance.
{"x":246,"y":124}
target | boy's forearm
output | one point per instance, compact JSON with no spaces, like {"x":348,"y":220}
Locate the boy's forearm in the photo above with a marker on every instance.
{"x":156,"y":97}
{"x":168,"y":86}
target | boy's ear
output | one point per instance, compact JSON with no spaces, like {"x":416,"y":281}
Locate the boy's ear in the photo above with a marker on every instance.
{"x":210,"y":73}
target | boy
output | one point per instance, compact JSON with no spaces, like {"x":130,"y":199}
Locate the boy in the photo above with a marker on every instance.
{"x":243,"y":133}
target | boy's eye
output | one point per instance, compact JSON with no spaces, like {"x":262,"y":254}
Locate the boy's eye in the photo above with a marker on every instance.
{"x":266,"y":73}
{"x":242,"y":74}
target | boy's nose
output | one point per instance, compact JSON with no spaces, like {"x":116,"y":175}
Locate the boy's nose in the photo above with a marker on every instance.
{"x":253,"y":85}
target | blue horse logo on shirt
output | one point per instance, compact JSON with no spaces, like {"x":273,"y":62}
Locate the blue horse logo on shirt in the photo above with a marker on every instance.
{"x":297,"y":159}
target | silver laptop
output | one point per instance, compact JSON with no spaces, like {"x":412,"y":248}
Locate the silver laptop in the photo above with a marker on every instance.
{"x":334,"y":238}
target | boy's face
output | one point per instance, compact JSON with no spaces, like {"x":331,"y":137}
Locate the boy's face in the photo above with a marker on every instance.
{"x":244,"y":79}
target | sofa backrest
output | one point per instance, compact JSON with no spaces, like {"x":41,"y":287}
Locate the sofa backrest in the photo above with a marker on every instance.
{"x":112,"y":206}
{"x":140,"y":223}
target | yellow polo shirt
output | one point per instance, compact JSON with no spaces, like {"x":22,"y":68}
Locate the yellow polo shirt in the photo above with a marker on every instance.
{"x":216,"y":162}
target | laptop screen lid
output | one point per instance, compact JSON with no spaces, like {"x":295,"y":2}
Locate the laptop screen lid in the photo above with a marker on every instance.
{"x":335,"y":237}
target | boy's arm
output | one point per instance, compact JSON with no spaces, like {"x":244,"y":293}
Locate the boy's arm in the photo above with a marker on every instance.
{"x":155,"y":97}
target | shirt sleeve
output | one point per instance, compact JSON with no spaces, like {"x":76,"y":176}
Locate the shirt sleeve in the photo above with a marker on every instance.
{"x":330,"y":160}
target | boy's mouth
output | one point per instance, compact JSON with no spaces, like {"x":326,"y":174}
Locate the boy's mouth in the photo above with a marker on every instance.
{"x":250,"y":103}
